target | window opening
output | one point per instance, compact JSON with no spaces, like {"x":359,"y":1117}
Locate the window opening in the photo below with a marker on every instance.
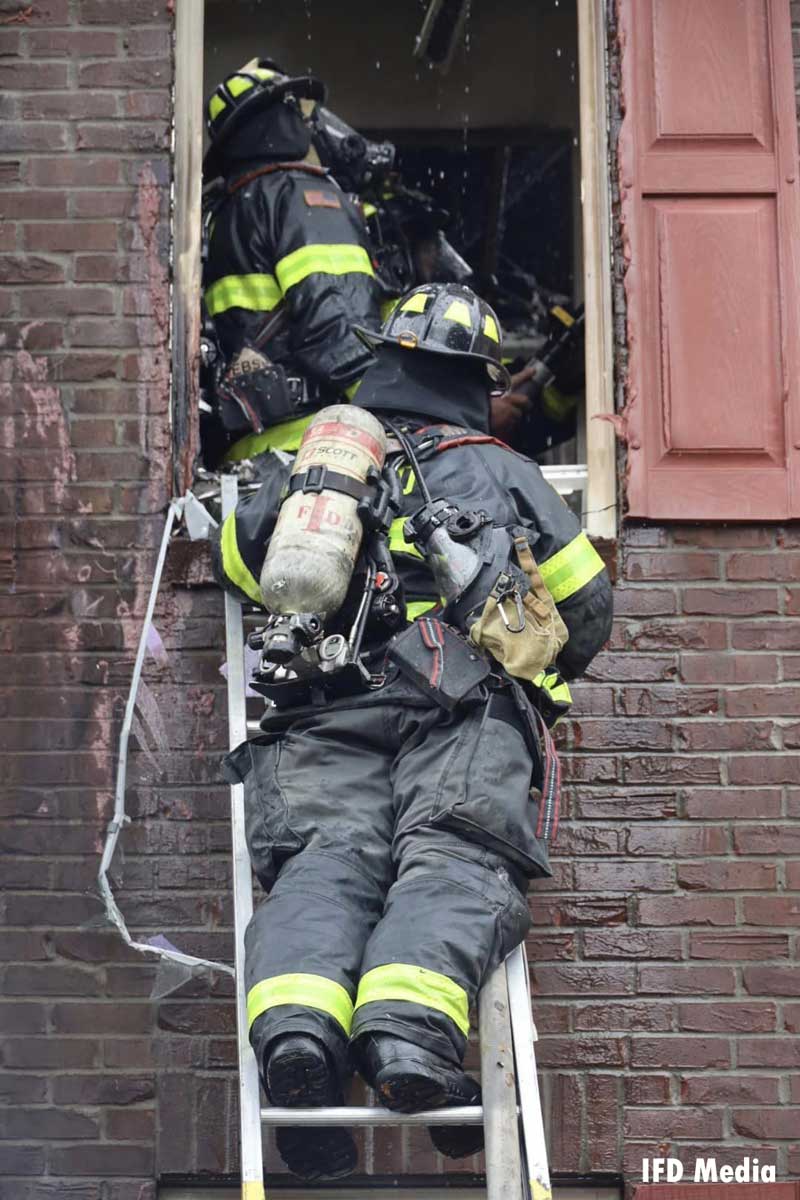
{"x":493,"y":141}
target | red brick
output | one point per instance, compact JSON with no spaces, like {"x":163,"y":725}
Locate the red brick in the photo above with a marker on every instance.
{"x":85,"y":235}
{"x":783,"y":634}
{"x":610,"y":735}
{"x":721,"y":803}
{"x":43,"y":302}
{"x":644,"y":602}
{"x":791,"y":736}
{"x":722,"y":537}
{"x":791,"y":1018}
{"x":727,"y":1018}
{"x":631,"y":943}
{"x":127,"y":73}
{"x":624,"y":876}
{"x":792,"y":870}
{"x":22,"y":1160}
{"x":775,"y":840}
{"x":50,"y":1053}
{"x":764,"y":768}
{"x":617,"y":1017}
{"x":769,"y":1052}
{"x":779,"y":565}
{"x":22,"y":1089}
{"x":17,"y":77}
{"x":680,"y":565}
{"x":602,"y":1131}
{"x":69,"y":106}
{"x":716,"y":876}
{"x":686,"y":910}
{"x":680,"y":634}
{"x":31,"y":204}
{"x":103,"y":1160}
{"x":673,"y":1123}
{"x":577,"y":1052}
{"x":117,"y":203}
{"x":647,"y":1089}
{"x":725,"y":735}
{"x":677,"y":841}
{"x":727,"y":668}
{"x":114,"y":135}
{"x":52,"y":1124}
{"x":75,"y":171}
{"x":730,"y":601}
{"x":633,"y":668}
{"x":680,"y":1051}
{"x":105,"y":1089}
{"x":565,"y":1136}
{"x":729,"y":1089}
{"x":771,"y":981}
{"x":771,"y":910}
{"x":29,"y":269}
{"x":583,"y":979}
{"x":767,"y":1123}
{"x":71,"y":43}
{"x":103,"y":1018}
{"x":668,"y":701}
{"x":671,"y":768}
{"x":674,"y":980}
{"x":629,"y":806}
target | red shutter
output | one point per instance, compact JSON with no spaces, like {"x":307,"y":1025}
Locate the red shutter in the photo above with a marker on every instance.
{"x":711,"y":221}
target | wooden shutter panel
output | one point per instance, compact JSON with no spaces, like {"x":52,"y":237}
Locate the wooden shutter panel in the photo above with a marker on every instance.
{"x":709,"y":182}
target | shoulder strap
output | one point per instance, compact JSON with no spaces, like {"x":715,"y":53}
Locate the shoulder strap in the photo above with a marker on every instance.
{"x":271,"y":169}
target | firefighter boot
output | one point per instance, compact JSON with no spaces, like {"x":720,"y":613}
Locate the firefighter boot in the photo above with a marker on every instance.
{"x":298,"y":1073}
{"x":408,"y":1078}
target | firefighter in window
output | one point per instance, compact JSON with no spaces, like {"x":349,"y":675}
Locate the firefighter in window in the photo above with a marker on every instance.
{"x":287,"y":270}
{"x":427,"y":595}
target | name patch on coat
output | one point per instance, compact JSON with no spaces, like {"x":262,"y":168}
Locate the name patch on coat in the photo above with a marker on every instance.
{"x":317,"y":199}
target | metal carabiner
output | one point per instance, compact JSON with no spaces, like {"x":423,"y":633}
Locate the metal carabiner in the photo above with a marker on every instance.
{"x":505,"y":589}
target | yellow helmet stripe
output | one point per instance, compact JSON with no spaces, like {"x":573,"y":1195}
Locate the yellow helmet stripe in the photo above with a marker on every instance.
{"x":459,"y":311}
{"x":415,"y":303}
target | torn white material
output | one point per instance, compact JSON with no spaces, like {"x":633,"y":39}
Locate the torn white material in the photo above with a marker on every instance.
{"x":158,"y":945}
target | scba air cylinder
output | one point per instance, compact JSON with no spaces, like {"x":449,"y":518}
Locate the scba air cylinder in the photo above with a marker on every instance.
{"x":314,"y":547}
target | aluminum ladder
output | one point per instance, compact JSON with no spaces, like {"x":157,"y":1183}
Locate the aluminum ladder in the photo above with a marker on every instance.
{"x":516,"y":1153}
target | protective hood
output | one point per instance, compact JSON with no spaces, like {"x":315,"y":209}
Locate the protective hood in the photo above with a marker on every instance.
{"x":276,"y":134}
{"x":426,"y":385}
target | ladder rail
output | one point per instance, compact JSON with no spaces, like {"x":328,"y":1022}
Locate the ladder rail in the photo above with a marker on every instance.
{"x":250,"y":1143}
{"x":498,"y":1084}
{"x":525,"y":1036}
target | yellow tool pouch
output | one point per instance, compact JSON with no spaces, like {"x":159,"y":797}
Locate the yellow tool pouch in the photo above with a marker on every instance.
{"x":523,"y":632}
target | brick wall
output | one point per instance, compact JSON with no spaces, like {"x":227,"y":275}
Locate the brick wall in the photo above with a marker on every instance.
{"x":84,"y":171}
{"x":666,"y":946}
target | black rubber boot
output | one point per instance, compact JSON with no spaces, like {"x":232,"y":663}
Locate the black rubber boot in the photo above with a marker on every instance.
{"x":407,"y":1078}
{"x":298,"y":1073}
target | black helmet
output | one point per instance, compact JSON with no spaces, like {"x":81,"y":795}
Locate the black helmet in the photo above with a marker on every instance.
{"x":445,"y":318}
{"x":247,"y":91}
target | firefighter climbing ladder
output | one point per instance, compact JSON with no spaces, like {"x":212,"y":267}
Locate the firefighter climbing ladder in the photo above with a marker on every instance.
{"x":516,"y":1154}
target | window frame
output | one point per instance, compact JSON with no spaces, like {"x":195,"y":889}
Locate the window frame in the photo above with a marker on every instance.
{"x":600,"y":498}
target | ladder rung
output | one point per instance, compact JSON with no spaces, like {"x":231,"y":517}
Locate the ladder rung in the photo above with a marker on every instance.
{"x":464,"y":1115}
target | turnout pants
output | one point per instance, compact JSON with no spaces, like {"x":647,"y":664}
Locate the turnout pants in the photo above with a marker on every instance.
{"x":394,"y":840}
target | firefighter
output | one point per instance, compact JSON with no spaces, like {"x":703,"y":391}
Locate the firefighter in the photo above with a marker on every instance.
{"x":288,"y":272}
{"x":392,"y":822}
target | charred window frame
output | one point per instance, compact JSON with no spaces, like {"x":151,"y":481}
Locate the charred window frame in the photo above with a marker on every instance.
{"x":600,"y":497}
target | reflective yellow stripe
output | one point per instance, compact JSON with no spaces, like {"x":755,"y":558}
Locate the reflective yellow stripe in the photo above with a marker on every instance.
{"x":416,"y":985}
{"x":562,"y":315}
{"x":554,"y":685}
{"x":416,"y":608}
{"x":571,"y":569}
{"x":320,"y":258}
{"x":556,"y":405}
{"x":459,"y":311}
{"x":234,"y":565}
{"x":237,"y":84}
{"x":407,"y":478}
{"x":416,"y":303}
{"x":311,"y":991}
{"x":216,"y":105}
{"x":258,"y":293}
{"x":387,"y":308}
{"x":490,"y":328}
{"x":397,"y":543}
{"x":286,"y":436}
{"x":351,"y":391}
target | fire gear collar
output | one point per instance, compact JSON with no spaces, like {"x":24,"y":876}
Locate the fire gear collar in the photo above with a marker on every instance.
{"x":423,"y":385}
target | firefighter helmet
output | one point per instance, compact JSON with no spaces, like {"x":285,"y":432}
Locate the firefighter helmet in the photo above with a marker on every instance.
{"x":445,"y":318}
{"x":253,"y":87}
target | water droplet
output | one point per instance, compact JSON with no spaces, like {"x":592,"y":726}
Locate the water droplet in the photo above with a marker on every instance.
{"x":558,"y":52}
